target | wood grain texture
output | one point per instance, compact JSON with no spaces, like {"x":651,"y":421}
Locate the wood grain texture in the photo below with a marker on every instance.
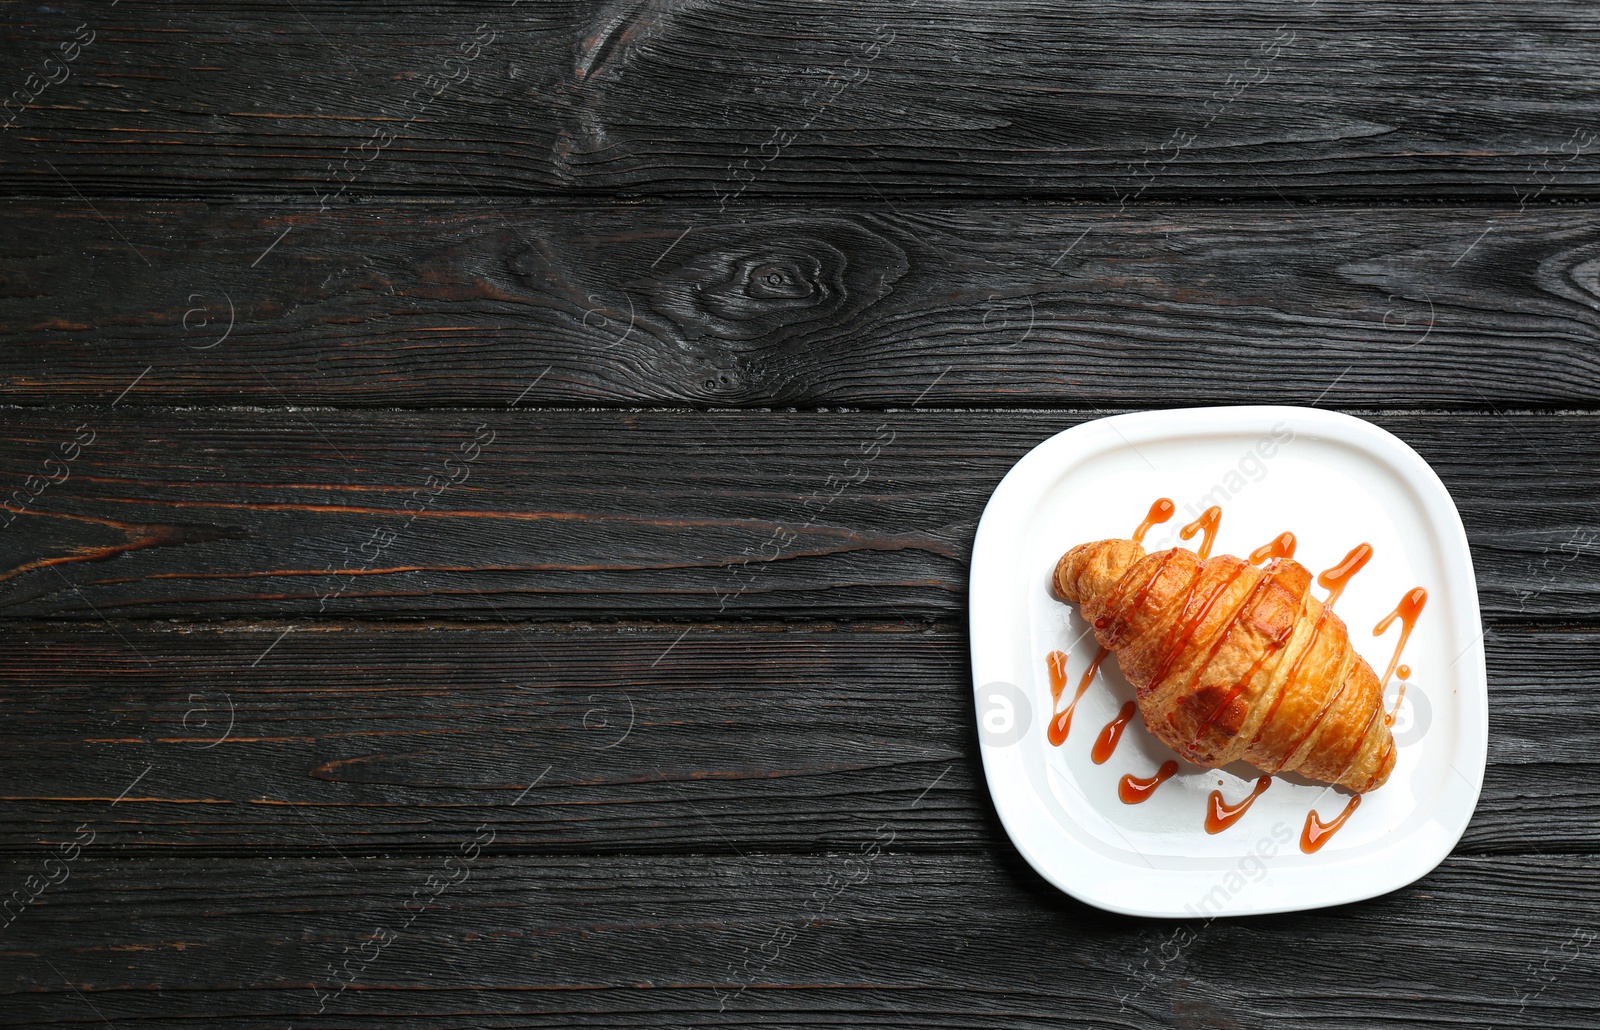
{"x":206,"y":514}
{"x":358,"y":503}
{"x":715,"y":100}
{"x":383,"y":738}
{"x":445,"y":305}
{"x":834,"y":940}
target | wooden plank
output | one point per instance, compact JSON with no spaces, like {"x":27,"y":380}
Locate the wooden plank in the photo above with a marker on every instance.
{"x":1141,"y":101}
{"x":205,"y":514}
{"x":470,"y":305}
{"x":858,"y":938}
{"x":721,"y":738}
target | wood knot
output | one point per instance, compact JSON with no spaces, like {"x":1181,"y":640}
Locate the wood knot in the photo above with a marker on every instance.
{"x":772,"y":282}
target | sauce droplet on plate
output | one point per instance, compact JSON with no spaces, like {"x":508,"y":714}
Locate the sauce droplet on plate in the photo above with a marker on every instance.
{"x":1134,"y":789}
{"x":1207,"y":523}
{"x":1061,"y":725}
{"x":1106,"y":743}
{"x":1317,"y":832}
{"x":1334,"y":580}
{"x":1281,"y":547}
{"x":1056,"y":661}
{"x":1220,"y":816}
{"x":1407,"y":611}
{"x":1160,"y":512}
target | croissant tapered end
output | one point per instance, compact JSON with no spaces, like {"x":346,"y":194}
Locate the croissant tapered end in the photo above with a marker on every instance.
{"x":1089,"y":570}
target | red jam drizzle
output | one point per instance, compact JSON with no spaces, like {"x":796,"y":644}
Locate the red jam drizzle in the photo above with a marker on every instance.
{"x":1407,"y":611}
{"x":1061,"y":725}
{"x":1282,"y":547}
{"x":1334,"y":580}
{"x":1134,"y":789}
{"x":1317,"y":832}
{"x":1106,"y":744}
{"x":1221,"y":816}
{"x":1207,"y":523}
{"x":1160,"y":512}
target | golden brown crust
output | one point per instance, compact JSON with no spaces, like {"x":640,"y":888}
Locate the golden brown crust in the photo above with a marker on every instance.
{"x":1231,"y":662}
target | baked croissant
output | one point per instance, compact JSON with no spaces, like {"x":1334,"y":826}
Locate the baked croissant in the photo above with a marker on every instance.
{"x":1234,"y":662}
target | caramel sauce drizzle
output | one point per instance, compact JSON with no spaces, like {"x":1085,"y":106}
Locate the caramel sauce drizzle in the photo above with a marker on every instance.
{"x":1129,"y":610}
{"x":1378,"y":767}
{"x":1281,"y":547}
{"x":1317,"y":832}
{"x":1207,"y":523}
{"x":1160,"y":512}
{"x":1221,"y":816}
{"x":1176,"y":640}
{"x":1061,"y":725}
{"x":1239,"y":687}
{"x":1113,"y":600}
{"x":1327,"y":706}
{"x":1407,"y":611}
{"x":1361,"y":739}
{"x":1334,"y":580}
{"x":1222,"y":638}
{"x":1056,"y":662}
{"x":1294,"y":671}
{"x":1106,"y":744}
{"x":1134,"y":789}
{"x":1273,"y":647}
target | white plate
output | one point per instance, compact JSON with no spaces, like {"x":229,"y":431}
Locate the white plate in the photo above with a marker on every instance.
{"x":1334,"y":481}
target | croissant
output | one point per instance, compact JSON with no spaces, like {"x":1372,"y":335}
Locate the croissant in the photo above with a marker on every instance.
{"x":1233,"y":662}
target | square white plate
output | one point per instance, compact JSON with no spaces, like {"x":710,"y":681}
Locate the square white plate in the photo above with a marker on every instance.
{"x":1334,"y":481}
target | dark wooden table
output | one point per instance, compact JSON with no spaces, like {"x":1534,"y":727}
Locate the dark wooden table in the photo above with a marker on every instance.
{"x":447,"y":577}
